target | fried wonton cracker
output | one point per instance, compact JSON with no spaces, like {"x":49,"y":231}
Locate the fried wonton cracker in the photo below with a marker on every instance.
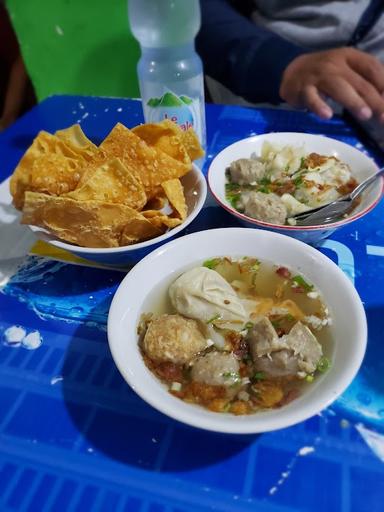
{"x":74,"y":136}
{"x":147,"y":164}
{"x":112,"y":182}
{"x":160,"y":220}
{"x":136,"y":230}
{"x":165,"y":136}
{"x":158,"y":201}
{"x":175,"y":194}
{"x":192,"y":144}
{"x":50,"y":166}
{"x":87,"y":223}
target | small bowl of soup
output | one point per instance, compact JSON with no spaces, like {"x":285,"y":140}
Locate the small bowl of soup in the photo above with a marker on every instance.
{"x":237,"y":330}
{"x":266,"y":180}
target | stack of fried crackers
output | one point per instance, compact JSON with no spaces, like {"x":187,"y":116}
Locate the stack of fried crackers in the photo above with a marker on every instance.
{"x":106,"y":196}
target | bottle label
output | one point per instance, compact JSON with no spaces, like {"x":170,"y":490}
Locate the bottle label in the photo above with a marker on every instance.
{"x":182,"y":110}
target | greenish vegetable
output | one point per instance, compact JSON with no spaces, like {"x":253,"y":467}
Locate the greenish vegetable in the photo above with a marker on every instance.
{"x":233,"y":200}
{"x":211,"y":320}
{"x":258,"y":376}
{"x":265,"y":181}
{"x":229,"y":187}
{"x":300,"y":281}
{"x":323,"y":365}
{"x":231,"y":375}
{"x":249,"y":325}
{"x":309,"y":378}
{"x":298,"y":181}
{"x":212,"y":263}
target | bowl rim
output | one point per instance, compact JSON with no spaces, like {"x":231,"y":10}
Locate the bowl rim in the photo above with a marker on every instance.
{"x":317,"y":227}
{"x":141,"y":245}
{"x":214,"y":421}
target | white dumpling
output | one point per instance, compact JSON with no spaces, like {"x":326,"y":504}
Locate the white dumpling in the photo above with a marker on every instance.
{"x":204,"y":295}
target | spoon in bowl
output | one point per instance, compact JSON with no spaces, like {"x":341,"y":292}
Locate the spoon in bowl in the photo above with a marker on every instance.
{"x":332,"y":212}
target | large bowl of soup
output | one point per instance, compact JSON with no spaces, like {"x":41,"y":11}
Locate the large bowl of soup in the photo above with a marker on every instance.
{"x":237,"y":330}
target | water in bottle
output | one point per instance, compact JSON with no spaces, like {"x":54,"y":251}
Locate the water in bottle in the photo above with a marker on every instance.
{"x":170,"y":71}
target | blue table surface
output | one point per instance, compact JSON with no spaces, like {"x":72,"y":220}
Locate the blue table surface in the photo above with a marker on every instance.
{"x":74,"y":436}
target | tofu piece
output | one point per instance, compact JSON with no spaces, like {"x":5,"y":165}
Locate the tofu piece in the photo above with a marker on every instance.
{"x":292,"y":205}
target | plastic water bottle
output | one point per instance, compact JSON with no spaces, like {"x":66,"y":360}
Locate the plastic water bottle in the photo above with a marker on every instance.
{"x":170,"y":72}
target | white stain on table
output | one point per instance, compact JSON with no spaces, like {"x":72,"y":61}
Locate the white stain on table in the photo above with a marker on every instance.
{"x":59,"y":30}
{"x":373,"y":439}
{"x":16,"y":336}
{"x":305,"y":450}
{"x":56,"y":379}
{"x":301,"y":452}
{"x":32,"y":341}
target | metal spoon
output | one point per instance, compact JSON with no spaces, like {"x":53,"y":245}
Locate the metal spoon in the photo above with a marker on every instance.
{"x":332,"y":212}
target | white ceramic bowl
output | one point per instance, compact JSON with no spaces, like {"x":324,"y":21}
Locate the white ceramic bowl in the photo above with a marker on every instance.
{"x":195,"y":189}
{"x":361,"y":166}
{"x":165,"y":264}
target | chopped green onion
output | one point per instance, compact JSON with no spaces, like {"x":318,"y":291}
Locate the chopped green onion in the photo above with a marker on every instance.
{"x":211,"y":320}
{"x":258,"y":376}
{"x":233,"y":200}
{"x":212,"y":263}
{"x":298,"y":181}
{"x":229,"y":187}
{"x":264,"y":190}
{"x":249,"y":325}
{"x":176,"y":386}
{"x":323,"y":365}
{"x":309,"y":378}
{"x":302,"y":161}
{"x":265,"y":181}
{"x":300,"y":281}
{"x":231,"y":375}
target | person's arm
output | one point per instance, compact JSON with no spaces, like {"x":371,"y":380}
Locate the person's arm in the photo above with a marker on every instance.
{"x":244,"y":57}
{"x":261,"y":66}
{"x":14,"y":94}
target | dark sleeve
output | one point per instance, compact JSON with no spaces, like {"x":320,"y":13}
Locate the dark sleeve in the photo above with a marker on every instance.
{"x":244,"y":57}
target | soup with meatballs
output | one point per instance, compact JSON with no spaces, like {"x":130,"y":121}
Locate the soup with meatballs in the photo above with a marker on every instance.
{"x":237,"y":335}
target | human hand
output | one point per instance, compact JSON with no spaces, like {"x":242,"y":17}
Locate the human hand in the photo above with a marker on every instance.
{"x":351,"y":77}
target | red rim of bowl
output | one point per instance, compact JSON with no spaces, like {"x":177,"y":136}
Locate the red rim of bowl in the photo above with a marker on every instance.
{"x":294,"y":228}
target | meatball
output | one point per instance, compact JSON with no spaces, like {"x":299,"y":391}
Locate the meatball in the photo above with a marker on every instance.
{"x":173,"y":338}
{"x":292,"y":354}
{"x":216,"y":369}
{"x":279,"y":364}
{"x":246,"y":171}
{"x":265,"y":207}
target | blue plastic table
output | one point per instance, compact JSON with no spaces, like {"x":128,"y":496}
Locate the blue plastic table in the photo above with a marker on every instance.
{"x":75,"y":437}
